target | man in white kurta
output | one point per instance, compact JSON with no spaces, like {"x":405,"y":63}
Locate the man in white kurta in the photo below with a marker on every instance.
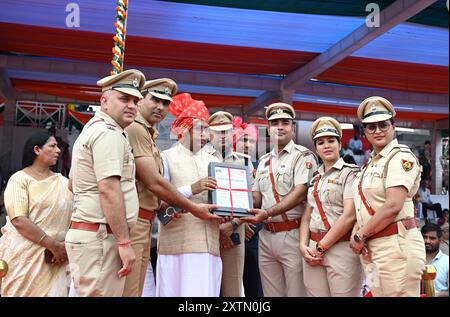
{"x":189,"y":263}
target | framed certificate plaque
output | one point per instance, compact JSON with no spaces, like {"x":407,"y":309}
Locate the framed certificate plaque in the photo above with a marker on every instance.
{"x":233,"y":194}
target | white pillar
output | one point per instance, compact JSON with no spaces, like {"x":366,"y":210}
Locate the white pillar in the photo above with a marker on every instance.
{"x":438,"y":167}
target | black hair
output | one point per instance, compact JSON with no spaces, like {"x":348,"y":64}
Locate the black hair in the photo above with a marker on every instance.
{"x":427,"y":142}
{"x":429,"y":227}
{"x":336,"y":137}
{"x":165,"y":102}
{"x":145,"y":92}
{"x":38,"y":139}
{"x":349,"y":159}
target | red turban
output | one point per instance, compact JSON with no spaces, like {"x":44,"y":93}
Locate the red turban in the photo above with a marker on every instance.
{"x":186,"y":109}
{"x":240,"y":128}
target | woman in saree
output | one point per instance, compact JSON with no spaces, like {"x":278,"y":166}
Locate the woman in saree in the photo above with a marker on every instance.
{"x":39,"y":205}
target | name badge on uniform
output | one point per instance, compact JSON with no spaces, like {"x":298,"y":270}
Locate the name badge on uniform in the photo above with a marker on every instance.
{"x":282,"y":169}
{"x":334,"y":181}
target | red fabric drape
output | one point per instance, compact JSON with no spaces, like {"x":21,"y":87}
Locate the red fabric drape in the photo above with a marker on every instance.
{"x":70,"y":91}
{"x":92,"y":94}
{"x":388,"y":74}
{"x":65,"y":43}
{"x":338,"y":109}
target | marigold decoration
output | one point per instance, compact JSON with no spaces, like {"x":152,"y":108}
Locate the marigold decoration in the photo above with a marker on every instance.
{"x":119,"y":39}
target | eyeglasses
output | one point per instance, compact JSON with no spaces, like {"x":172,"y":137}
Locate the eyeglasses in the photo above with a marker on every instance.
{"x":372,"y":127}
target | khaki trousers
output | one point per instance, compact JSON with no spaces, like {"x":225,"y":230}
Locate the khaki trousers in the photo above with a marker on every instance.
{"x":140,"y":242}
{"x":280,"y":264}
{"x":397,"y":263}
{"x":233,"y":267}
{"x":94,"y":262}
{"x":340,"y":275}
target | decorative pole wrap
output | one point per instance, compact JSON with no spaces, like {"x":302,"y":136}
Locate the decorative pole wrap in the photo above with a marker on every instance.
{"x":119,"y":39}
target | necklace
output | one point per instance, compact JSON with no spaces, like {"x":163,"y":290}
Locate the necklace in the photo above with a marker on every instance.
{"x":40,"y":174}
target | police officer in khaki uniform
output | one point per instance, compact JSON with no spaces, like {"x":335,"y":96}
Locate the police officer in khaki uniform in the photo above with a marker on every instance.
{"x":386,"y":234}
{"x":232,"y":254}
{"x":105,"y":198}
{"x":151,"y":184}
{"x":330,"y":268}
{"x":280,"y":189}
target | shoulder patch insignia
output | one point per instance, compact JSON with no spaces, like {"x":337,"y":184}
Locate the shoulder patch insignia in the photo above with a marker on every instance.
{"x":308,"y":165}
{"x":407,"y":165}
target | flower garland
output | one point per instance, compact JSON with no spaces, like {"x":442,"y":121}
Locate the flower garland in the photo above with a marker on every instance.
{"x":119,"y":38}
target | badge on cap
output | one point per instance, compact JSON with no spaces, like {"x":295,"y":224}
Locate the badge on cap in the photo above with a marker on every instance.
{"x":135,"y":83}
{"x":167,"y":91}
{"x":308,"y":165}
{"x":407,"y":165}
{"x":374,"y":108}
{"x":279,"y":110}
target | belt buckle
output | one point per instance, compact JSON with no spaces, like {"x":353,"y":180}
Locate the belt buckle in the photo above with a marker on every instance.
{"x":270,"y":227}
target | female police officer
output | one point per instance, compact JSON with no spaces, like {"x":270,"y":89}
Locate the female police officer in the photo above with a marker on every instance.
{"x":330,"y":268}
{"x":386,"y":234}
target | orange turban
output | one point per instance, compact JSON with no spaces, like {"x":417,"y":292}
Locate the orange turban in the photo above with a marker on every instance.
{"x":186,"y":109}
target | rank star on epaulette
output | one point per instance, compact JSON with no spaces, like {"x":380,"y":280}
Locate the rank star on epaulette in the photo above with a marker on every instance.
{"x":110,"y":126}
{"x":308,"y":165}
{"x":407,"y":165}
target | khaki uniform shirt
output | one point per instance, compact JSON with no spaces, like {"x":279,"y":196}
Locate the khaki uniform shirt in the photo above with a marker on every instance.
{"x":334,"y":187}
{"x":232,"y":158}
{"x":142,"y":138}
{"x":248,"y":161}
{"x":101,"y":151}
{"x":403,"y":170}
{"x":294,"y":165}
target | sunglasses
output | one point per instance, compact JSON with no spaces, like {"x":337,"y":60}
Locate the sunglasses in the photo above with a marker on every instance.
{"x":372,"y":127}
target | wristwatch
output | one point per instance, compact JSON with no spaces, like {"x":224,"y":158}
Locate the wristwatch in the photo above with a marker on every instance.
{"x":320,"y":248}
{"x":357,"y":238}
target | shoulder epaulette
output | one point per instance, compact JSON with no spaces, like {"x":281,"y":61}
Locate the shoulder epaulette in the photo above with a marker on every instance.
{"x":110,"y":126}
{"x":264,"y":156}
{"x":404,"y":148}
{"x":352,"y":166}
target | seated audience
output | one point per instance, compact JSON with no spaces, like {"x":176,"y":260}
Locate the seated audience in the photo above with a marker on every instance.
{"x":425,"y":199}
{"x":444,"y":219}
